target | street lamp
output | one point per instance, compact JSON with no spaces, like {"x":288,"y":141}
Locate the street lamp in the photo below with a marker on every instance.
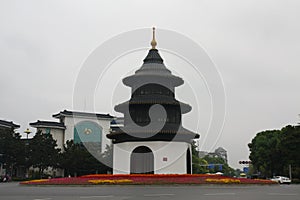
{"x":1,"y":165}
{"x":27,"y":131}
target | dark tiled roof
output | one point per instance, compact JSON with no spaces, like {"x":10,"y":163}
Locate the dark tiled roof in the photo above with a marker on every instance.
{"x":153,"y":70}
{"x":168,"y":128}
{"x":185,"y":108}
{"x":47,"y":124}
{"x":81,"y":114}
{"x":181,"y":134}
{"x":7,"y":124}
{"x":153,"y":57}
{"x":152,"y":75}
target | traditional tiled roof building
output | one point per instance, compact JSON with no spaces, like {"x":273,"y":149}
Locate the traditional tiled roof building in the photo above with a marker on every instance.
{"x":81,"y":127}
{"x":8,"y":125}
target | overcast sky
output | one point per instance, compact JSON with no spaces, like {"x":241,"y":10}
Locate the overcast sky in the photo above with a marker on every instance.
{"x":254,"y":44}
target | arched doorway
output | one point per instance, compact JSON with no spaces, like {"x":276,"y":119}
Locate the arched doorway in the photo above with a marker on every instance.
{"x":142,"y":161}
{"x":188,"y":161}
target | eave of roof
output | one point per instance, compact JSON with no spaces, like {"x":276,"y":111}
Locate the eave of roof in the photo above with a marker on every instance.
{"x":67,"y":113}
{"x":47,"y":124}
{"x":8,"y":124}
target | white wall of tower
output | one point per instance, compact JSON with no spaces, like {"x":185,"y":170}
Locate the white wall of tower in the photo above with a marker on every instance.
{"x":169,"y":157}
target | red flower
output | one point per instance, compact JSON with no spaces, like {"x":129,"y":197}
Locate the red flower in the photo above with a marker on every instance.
{"x":147,"y":179}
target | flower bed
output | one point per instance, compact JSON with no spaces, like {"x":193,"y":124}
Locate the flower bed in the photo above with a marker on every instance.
{"x":222,"y":180}
{"x":146,"y":179}
{"x":110,"y":181}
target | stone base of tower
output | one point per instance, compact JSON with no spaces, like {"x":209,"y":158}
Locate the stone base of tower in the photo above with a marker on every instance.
{"x":156,"y":157}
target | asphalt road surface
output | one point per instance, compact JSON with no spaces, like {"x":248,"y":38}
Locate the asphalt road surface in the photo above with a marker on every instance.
{"x":9,"y":191}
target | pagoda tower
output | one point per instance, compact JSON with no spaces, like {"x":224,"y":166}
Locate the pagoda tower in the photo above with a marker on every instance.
{"x":152,"y":139}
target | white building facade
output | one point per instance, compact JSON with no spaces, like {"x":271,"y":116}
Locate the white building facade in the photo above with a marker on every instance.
{"x":81,"y":127}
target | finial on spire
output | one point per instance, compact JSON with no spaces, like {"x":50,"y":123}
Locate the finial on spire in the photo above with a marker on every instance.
{"x":153,"y":42}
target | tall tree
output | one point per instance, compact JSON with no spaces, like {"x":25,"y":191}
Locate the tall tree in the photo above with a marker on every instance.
{"x":77,"y":160}
{"x":290,"y":148}
{"x":107,"y":158}
{"x":217,"y":164}
{"x":43,"y":152}
{"x":198,"y":164}
{"x":209,"y":164}
{"x":272,"y":151}
{"x":265,"y":153}
{"x":11,"y":150}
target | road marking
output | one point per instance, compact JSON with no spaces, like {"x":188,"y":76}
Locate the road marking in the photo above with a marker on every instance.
{"x":90,"y":197}
{"x":157,"y":195}
{"x":43,"y":199}
{"x":216,"y":194}
{"x":281,"y":194}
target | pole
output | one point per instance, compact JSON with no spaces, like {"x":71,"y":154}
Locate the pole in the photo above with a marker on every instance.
{"x":27,"y":131}
{"x":1,"y":165}
{"x":290,"y":171}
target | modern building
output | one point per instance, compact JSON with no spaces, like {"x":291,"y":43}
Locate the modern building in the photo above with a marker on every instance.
{"x":220,"y":152}
{"x":152,"y":139}
{"x":202,"y":154}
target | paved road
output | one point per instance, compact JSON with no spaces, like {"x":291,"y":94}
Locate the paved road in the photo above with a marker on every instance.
{"x":12,"y":191}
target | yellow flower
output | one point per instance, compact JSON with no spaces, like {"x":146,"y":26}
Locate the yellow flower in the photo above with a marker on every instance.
{"x":107,"y":181}
{"x":223,"y":180}
{"x":35,"y":181}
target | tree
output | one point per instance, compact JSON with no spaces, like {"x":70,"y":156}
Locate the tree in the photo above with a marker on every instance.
{"x":272,"y":151}
{"x":290,"y":148}
{"x":77,"y":160}
{"x":43,"y":152}
{"x":217,"y":164}
{"x":203,"y":165}
{"x":107,"y":157}
{"x":11,"y":150}
{"x":198,"y":164}
{"x":265,"y":153}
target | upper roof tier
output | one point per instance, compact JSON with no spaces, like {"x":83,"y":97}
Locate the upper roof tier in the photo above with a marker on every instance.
{"x":153,"y":99}
{"x":153,"y":70}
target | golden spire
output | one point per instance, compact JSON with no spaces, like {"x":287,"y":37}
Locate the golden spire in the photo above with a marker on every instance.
{"x":153,"y":42}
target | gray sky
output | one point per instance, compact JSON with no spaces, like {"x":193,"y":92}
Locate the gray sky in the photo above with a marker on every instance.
{"x":255,"y":45}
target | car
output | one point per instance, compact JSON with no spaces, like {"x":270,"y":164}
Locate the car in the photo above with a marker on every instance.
{"x":5,"y":178}
{"x":281,"y":179}
{"x":219,"y":173}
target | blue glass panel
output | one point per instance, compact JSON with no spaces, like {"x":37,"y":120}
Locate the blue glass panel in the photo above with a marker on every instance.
{"x":48,"y":130}
{"x":87,"y":131}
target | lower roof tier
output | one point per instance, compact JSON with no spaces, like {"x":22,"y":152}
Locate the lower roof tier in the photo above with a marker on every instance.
{"x":183,"y":135}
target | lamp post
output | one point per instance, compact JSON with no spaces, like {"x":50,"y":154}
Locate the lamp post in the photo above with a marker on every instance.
{"x":1,"y":165}
{"x":27,"y":131}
